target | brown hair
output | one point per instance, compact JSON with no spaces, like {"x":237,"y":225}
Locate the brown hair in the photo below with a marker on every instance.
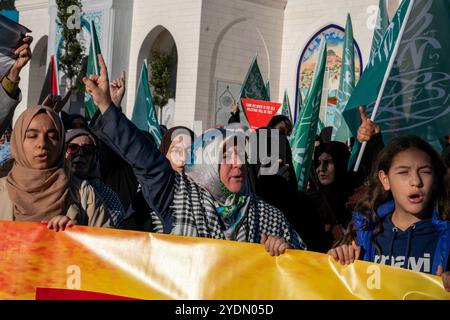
{"x":372,"y":195}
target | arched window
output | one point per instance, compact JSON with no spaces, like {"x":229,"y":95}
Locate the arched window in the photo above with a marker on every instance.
{"x":334,"y":35}
{"x":161,"y":40}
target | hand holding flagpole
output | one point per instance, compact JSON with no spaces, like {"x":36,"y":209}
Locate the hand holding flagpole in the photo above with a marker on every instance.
{"x":366,"y":130}
{"x":385,"y":79}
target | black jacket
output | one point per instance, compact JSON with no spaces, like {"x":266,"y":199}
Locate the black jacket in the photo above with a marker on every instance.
{"x":283,"y":194}
{"x":150,"y":166}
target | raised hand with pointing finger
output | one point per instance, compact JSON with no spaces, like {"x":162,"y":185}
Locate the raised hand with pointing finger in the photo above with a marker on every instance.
{"x":98,"y":87}
{"x":368,"y":128}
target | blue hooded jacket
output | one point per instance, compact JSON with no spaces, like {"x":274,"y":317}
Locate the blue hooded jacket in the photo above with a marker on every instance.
{"x":438,"y":238}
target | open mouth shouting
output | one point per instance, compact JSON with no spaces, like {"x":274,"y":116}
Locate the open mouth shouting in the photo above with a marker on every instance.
{"x":416,"y":197}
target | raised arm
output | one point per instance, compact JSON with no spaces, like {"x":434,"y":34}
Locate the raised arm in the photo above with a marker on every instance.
{"x":151,"y":168}
{"x":9,"y":88}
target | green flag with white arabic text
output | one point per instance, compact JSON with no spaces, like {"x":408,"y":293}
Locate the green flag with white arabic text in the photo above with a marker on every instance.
{"x":302,"y":139}
{"x":380,"y":28}
{"x":341,"y":132}
{"x":416,"y":97}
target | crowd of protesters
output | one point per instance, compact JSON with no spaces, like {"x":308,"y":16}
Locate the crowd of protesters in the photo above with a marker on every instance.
{"x":64,"y":170}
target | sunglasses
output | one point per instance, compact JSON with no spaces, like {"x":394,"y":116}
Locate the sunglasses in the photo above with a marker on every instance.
{"x":88,"y":149}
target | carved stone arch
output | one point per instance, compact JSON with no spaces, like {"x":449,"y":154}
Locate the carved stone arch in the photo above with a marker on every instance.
{"x":263,"y":59}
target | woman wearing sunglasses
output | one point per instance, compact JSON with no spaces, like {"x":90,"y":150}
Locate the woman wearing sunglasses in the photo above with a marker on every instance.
{"x":39,"y":187}
{"x":82,"y":157}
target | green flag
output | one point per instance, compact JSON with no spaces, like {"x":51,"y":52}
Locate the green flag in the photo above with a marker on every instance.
{"x":302,"y":140}
{"x":381,"y":26}
{"x":366,"y":91}
{"x":286,"y":108}
{"x":144,"y":115}
{"x":299,"y":105}
{"x":253,"y":88}
{"x":341,"y":132}
{"x":268,"y":89}
{"x":412,"y":91}
{"x":92,"y":68}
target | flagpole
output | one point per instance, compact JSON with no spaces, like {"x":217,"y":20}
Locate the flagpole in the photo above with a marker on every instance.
{"x":385,"y":79}
{"x":93,"y":47}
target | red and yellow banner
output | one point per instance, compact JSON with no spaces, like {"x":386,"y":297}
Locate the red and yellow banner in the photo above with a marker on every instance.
{"x":100,"y":263}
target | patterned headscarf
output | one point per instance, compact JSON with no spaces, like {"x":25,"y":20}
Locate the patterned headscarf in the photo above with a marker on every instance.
{"x":204,"y":169}
{"x":207,"y":155}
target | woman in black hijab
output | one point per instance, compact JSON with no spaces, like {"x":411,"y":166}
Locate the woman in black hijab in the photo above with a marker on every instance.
{"x":176,"y":145}
{"x":280,"y":188}
{"x":283,"y":123}
{"x":336,"y":186}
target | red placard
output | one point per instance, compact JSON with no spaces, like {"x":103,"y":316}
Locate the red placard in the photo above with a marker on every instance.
{"x":259,"y":112}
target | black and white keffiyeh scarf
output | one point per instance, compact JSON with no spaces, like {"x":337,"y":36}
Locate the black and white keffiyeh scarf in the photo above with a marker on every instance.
{"x":195,"y":215}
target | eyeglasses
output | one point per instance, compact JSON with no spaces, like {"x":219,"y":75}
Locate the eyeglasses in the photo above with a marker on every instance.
{"x":88,"y":149}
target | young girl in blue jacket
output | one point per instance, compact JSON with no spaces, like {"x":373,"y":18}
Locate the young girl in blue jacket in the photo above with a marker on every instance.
{"x":402,"y":218}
